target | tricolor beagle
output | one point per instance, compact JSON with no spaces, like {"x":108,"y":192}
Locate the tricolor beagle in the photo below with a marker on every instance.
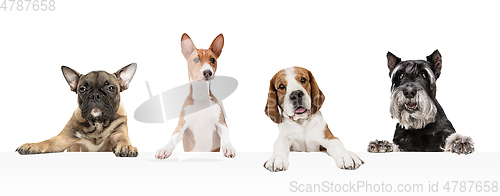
{"x":293,"y":102}
{"x":202,"y":126}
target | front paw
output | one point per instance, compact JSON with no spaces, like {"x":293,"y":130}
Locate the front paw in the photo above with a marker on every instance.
{"x":163,"y":153}
{"x":459,"y":144}
{"x":29,"y":148}
{"x":277,"y":162}
{"x":347,"y":160}
{"x":381,"y":146}
{"x":229,"y":151}
{"x":126,"y":151}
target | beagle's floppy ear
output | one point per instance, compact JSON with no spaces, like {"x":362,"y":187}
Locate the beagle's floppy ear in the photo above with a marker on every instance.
{"x":187,"y":45}
{"x":272,"y":109}
{"x":317,"y":97}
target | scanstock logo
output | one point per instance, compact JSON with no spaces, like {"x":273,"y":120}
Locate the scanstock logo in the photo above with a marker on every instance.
{"x":168,"y":105}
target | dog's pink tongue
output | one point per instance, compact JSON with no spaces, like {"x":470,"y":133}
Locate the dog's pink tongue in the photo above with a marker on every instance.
{"x":300,"y":110}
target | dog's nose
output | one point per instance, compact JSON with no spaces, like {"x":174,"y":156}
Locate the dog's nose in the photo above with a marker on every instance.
{"x":296,"y":96}
{"x":207,"y":73}
{"x":95,"y":97}
{"x":410,"y":92}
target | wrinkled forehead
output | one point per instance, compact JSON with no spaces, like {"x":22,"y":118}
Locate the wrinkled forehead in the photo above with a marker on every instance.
{"x":96,"y":78}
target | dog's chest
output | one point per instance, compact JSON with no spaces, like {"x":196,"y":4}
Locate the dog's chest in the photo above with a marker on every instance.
{"x":305,"y":136}
{"x":93,"y":138}
{"x":202,"y":124}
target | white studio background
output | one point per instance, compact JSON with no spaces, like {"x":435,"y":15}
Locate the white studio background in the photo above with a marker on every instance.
{"x":343,"y":43}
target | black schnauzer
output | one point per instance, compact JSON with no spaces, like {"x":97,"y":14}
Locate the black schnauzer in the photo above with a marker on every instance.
{"x":423,"y":126}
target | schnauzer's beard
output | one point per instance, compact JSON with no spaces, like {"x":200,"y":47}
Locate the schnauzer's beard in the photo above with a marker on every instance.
{"x":424,"y":114}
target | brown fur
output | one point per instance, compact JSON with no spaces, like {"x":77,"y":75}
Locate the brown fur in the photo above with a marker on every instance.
{"x":328,"y":134}
{"x":81,"y":134}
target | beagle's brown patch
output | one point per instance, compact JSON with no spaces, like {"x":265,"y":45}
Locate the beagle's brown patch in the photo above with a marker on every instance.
{"x":276,"y":96}
{"x":328,"y":134}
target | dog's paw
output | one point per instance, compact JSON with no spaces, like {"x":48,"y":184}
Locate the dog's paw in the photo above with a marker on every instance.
{"x":125,"y":151}
{"x":277,"y":162}
{"x":228,"y":151}
{"x":29,"y":148}
{"x":459,"y":144}
{"x":347,"y":160}
{"x":163,"y":153}
{"x":382,"y":146}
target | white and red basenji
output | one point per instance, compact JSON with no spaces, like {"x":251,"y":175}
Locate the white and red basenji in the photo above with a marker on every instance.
{"x":202,"y":125}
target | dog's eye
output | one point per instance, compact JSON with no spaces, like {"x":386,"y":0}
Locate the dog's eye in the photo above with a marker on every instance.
{"x":281,"y":87}
{"x":111,"y":88}
{"x":401,"y":76}
{"x":424,"y":75}
{"x":303,"y":80}
{"x":196,"y":60}
{"x":82,"y":89}
{"x":212,"y":59}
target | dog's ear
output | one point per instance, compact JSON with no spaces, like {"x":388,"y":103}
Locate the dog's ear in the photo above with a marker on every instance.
{"x":217,"y":45}
{"x":317,"y":97}
{"x":392,"y":61}
{"x":125,"y":75}
{"x":436,"y":62}
{"x":272,"y":104}
{"x":71,"y":77}
{"x":187,"y":45}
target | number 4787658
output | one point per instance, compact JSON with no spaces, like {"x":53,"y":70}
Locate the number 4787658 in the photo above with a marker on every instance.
{"x":28,"y":5}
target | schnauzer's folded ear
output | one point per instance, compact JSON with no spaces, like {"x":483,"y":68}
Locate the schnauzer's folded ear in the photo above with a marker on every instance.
{"x":125,"y":75}
{"x":392,"y":61}
{"x":217,"y":45}
{"x":436,"y":62}
{"x":272,"y":109}
{"x":317,"y":97}
{"x":187,"y":45}
{"x":71,"y":77}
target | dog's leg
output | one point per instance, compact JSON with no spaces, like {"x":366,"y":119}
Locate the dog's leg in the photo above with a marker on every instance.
{"x":121,"y":143}
{"x":167,"y":150}
{"x":58,"y":143}
{"x":227,"y":148}
{"x":279,"y":160}
{"x":459,"y":144}
{"x":344,"y":159}
{"x":382,"y":146}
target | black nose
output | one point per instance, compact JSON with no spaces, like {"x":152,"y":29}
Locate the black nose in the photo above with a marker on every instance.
{"x":207,"y":73}
{"x":296,"y":97}
{"x":95,"y":97}
{"x":410,"y":92}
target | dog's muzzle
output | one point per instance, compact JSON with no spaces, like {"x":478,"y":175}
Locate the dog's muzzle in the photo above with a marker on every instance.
{"x":297,"y":101}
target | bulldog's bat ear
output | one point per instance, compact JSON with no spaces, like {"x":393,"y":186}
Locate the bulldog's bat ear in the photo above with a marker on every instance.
{"x":217,"y":45}
{"x":392,"y":61}
{"x":187,"y":45}
{"x":125,"y":75}
{"x":71,"y":77}
{"x":436,"y":62}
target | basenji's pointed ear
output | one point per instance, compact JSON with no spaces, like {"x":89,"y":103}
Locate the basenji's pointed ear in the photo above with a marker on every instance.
{"x":436,"y":62}
{"x":217,"y":45}
{"x":125,"y":75}
{"x":272,"y":104}
{"x":187,"y":45}
{"x":71,"y":77}
{"x":392,"y":61}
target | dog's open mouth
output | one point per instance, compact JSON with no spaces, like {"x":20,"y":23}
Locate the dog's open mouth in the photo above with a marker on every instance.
{"x":410,"y":106}
{"x":300,"y":110}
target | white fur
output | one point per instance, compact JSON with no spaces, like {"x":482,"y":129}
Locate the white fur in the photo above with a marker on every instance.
{"x":306,"y":135}
{"x":292,"y":86}
{"x":202,"y":123}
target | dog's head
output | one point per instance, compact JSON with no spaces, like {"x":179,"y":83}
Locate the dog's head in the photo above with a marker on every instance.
{"x":99,"y":92}
{"x":294,"y":94}
{"x":202,"y":63}
{"x":414,"y":89}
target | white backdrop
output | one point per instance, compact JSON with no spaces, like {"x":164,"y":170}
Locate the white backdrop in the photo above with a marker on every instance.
{"x":343,"y":43}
